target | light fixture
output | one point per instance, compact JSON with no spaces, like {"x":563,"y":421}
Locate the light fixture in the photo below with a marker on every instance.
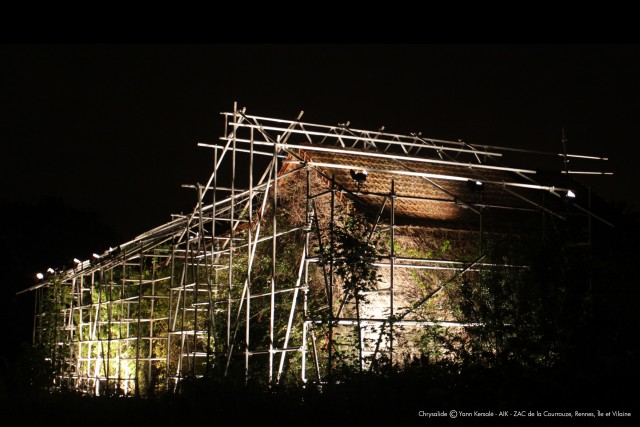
{"x":77,"y":261}
{"x":475,"y":186}
{"x":571,"y":194}
{"x":309,"y":224}
{"x":50,"y":270}
{"x":96,"y":256}
{"x":359,"y":176}
{"x":40,"y":276}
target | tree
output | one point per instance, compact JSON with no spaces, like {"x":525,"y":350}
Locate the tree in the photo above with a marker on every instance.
{"x":355,"y":254}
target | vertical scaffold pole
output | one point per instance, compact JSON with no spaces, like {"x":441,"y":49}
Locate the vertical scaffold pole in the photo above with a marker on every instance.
{"x":138,"y":337}
{"x":89,"y":335}
{"x":95,"y":335}
{"x":149,"y":379}
{"x":305,"y":301}
{"x":212,"y":310}
{"x":184,"y":341}
{"x":171,"y":326}
{"x":195,"y":272}
{"x":121,"y":317}
{"x":78,"y":340}
{"x":249,"y":243}
{"x":36,"y":315}
{"x":331,"y":261}
{"x":273,"y":259}
{"x":231,"y":230}
{"x":109,"y":334}
{"x":392,"y":262}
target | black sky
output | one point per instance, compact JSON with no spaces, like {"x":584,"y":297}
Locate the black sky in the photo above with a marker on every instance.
{"x":112,"y":129}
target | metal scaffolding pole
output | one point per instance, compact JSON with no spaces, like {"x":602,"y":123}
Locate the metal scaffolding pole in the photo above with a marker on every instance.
{"x":171,"y":327}
{"x":151,"y":324}
{"x":292,"y":312}
{"x":138,"y":331}
{"x":392,"y":261}
{"x":331,"y":273}
{"x":249,"y":251}
{"x":305,"y":301}
{"x":212,"y":313}
{"x":232,"y":229}
{"x":274,"y":253}
{"x":109,"y":336}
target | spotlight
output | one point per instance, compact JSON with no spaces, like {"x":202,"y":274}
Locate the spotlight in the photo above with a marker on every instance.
{"x":475,"y":186}
{"x":359,"y":176}
{"x":40,"y":276}
{"x":309,"y":224}
{"x":77,"y":261}
{"x":50,"y":270}
{"x":95,"y":260}
{"x":571,"y":194}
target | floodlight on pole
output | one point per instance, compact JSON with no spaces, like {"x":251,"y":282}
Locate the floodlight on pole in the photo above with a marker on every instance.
{"x":50,"y":270}
{"x":359,"y":176}
{"x":475,"y":186}
{"x":40,"y":276}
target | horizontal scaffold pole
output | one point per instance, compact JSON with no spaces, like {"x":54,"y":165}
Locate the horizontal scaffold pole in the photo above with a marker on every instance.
{"x":375,"y":321}
{"x":431,"y":175}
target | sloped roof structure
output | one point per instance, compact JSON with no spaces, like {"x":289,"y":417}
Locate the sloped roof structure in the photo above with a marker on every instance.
{"x":433,"y":190}
{"x":432,"y":177}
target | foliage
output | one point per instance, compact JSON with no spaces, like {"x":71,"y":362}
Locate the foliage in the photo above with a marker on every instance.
{"x":354,"y":256}
{"x":527,"y":313}
{"x":51,"y":340}
{"x":534,"y":319}
{"x":352,"y":250}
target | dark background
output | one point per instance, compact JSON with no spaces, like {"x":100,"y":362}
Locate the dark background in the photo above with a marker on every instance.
{"x":97,"y":140}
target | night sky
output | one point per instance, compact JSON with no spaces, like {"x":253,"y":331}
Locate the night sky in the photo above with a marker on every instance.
{"x":98,"y":139}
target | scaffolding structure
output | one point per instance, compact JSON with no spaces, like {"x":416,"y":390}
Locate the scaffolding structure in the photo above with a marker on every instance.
{"x":245,"y":286}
